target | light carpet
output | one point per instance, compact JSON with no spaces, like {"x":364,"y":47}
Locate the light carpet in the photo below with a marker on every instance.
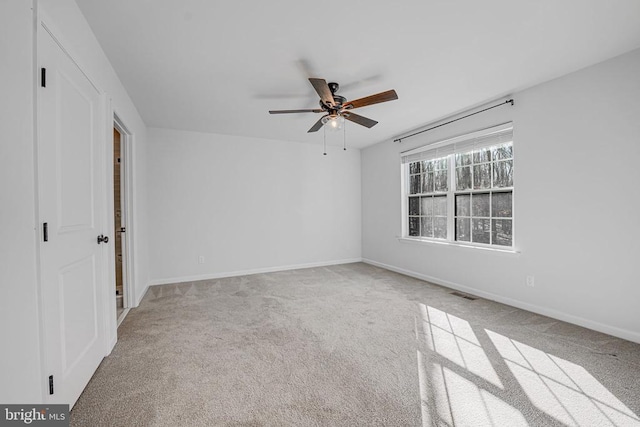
{"x":353,"y":345}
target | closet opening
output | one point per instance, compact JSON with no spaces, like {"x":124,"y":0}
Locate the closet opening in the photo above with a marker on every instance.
{"x":121,"y":220}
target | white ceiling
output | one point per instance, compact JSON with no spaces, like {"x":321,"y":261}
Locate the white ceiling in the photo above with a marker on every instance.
{"x":218,"y":66}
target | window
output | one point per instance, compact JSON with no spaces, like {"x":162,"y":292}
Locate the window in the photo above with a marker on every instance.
{"x":427,"y":203}
{"x":461,"y":189}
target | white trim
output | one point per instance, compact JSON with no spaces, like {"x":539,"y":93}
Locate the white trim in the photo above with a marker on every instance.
{"x":107,"y":224}
{"x":123,"y":315}
{"x":112,"y":344}
{"x":142,"y":294}
{"x":210,"y":276}
{"x":42,"y":354}
{"x":558,"y":315}
{"x":108,"y":304}
{"x":468,"y":245}
{"x":128,"y":266}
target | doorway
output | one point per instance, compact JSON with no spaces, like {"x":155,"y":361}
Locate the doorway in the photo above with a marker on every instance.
{"x":118,"y":217}
{"x":121,"y":219}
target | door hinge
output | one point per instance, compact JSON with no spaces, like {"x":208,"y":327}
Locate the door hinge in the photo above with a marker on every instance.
{"x":50,"y":384}
{"x":43,"y":77}
{"x":123,"y":230}
{"x":45,"y":232}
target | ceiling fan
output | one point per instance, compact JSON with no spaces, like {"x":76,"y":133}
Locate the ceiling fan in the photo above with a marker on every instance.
{"x":337,"y":108}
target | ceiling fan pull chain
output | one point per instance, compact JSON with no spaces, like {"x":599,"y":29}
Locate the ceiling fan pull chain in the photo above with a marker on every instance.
{"x":344,"y":137}
{"x":325,"y":140}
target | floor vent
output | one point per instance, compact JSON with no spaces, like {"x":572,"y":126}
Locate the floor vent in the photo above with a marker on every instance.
{"x":465,"y":296}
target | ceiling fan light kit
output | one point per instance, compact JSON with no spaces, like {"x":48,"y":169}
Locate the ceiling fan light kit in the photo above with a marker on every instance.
{"x":333,"y":123}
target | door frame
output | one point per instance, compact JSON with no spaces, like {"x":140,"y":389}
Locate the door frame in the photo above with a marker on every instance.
{"x":126,"y":171}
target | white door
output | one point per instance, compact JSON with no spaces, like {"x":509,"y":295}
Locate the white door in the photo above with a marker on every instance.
{"x":70,"y":202}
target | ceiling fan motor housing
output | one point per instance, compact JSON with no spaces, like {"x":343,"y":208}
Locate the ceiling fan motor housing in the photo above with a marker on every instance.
{"x":338,"y":100}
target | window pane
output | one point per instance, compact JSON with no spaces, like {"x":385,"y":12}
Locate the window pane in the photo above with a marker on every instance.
{"x":427,"y":166}
{"x":441,"y":163}
{"x":480,"y":230}
{"x":463,"y":178}
{"x":503,"y":173}
{"x":482,"y":176}
{"x":414,"y":206}
{"x":415,"y":167}
{"x":463,"y":229}
{"x":441,"y":181}
{"x":426,"y":206}
{"x":501,"y":204}
{"x":463,"y":159}
{"x":480,"y":205}
{"x":414,"y":226}
{"x":414,"y":184}
{"x":440,"y":205}
{"x":427,"y":182}
{"x":426,"y":229}
{"x":440,"y":227}
{"x":482,"y":155}
{"x":501,"y":230}
{"x":502,"y":152}
{"x":463,"y":205}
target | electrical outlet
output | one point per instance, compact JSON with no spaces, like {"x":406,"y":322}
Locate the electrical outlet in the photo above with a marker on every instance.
{"x":200,"y":259}
{"x":530,"y":281}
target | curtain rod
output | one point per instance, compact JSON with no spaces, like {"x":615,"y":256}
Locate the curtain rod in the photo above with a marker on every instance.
{"x":508,"y":101}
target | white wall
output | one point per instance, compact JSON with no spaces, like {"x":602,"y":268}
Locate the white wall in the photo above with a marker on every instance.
{"x":21,"y":377}
{"x":577,"y":145}
{"x":20,"y":355}
{"x":248,"y":205}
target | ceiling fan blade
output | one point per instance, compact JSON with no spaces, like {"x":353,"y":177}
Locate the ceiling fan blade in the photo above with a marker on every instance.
{"x":321,"y":86}
{"x":317,"y":126}
{"x":389,"y":95}
{"x":317,"y":110}
{"x":355,"y":118}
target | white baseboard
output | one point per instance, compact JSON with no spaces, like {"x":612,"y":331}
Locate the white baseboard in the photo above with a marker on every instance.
{"x":141,"y":295}
{"x":210,"y":276}
{"x":123,"y":315}
{"x":112,"y":345}
{"x":580,"y":321}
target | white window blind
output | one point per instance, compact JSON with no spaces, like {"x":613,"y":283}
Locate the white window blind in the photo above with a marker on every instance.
{"x":484,"y":138}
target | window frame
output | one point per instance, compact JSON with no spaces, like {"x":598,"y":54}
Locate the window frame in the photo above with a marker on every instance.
{"x":451,"y":193}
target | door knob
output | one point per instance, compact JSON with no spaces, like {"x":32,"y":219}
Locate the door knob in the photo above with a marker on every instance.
{"x":103,"y":239}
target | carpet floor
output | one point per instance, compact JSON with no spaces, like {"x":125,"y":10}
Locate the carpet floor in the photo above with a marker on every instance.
{"x":353,"y":345}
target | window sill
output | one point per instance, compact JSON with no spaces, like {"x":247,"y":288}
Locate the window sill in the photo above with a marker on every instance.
{"x":455,"y":244}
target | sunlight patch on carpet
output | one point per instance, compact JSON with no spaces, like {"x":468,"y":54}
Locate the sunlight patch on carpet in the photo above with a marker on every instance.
{"x":562,"y":389}
{"x":453,"y":338}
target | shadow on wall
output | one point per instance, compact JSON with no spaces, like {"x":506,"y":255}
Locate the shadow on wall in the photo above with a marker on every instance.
{"x":474,"y":376}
